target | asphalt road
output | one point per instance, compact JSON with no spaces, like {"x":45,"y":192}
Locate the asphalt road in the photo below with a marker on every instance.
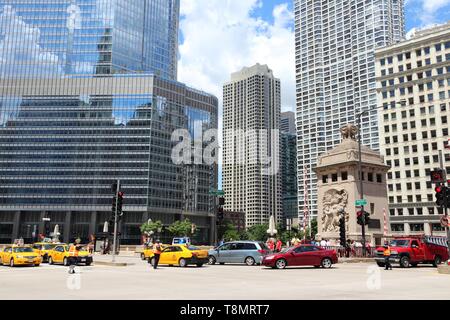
{"x":237,"y":282}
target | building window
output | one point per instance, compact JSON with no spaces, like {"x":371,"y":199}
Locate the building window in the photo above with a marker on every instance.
{"x":397,"y":227}
{"x":325,"y":179}
{"x":334,"y":177}
{"x":344,"y":176}
{"x":379,"y":178}
{"x":416,"y":227}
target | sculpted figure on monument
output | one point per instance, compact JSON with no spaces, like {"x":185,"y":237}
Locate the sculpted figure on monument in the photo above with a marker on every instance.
{"x":333,"y":202}
{"x":349,"y":132}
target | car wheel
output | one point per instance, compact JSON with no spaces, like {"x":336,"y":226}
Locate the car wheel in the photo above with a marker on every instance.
{"x":437,"y":261}
{"x":50,"y":260}
{"x":327,"y":263}
{"x":404,"y":262}
{"x":381,"y":264}
{"x":142,"y":256}
{"x":199,"y":265}
{"x":281,"y":264}
{"x":11,"y":262}
{"x":250,"y":261}
{"x":211,"y":260}
{"x":182,"y":263}
{"x":152,"y":261}
{"x":65,"y":261}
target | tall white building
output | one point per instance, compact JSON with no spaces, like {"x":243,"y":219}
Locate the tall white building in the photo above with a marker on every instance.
{"x":335,"y":74}
{"x":251,"y":103}
{"x":413,"y":133}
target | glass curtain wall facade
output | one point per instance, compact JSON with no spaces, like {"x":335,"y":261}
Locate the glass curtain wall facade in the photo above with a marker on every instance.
{"x":54,"y":38}
{"x":335,"y":75}
{"x":63,"y":142}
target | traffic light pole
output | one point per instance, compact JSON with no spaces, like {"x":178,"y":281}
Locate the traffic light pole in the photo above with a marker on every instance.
{"x":115,"y":223}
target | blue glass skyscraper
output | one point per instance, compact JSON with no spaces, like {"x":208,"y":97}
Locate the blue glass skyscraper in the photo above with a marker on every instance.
{"x":91,"y":37}
{"x":88,"y":95}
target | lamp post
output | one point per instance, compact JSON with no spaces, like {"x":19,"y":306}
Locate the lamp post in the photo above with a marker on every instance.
{"x":361,"y":184}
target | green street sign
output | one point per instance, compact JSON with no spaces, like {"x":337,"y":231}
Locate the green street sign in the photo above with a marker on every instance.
{"x":360,"y":203}
{"x":216,"y":193}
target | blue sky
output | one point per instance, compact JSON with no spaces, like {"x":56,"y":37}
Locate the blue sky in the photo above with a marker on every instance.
{"x":413,"y":11}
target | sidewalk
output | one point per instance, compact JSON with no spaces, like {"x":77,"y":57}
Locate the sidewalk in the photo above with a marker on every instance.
{"x":356,"y":260}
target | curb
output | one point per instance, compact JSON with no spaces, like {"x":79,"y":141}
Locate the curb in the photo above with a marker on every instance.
{"x":444,"y":269}
{"x":112,"y":264}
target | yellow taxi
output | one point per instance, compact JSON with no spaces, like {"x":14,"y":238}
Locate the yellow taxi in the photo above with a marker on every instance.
{"x":19,"y":256}
{"x":181,"y":255}
{"x":43,"y":248}
{"x":60,"y":255}
{"x":148,"y":251}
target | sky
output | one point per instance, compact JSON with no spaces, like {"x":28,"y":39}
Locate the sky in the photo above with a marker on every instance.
{"x":219,"y":37}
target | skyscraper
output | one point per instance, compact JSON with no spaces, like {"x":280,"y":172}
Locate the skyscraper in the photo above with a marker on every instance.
{"x":335,"y":63}
{"x":49,"y":38}
{"x":87,"y":96}
{"x":414,"y":126}
{"x":251,"y":102}
{"x":288,"y":161}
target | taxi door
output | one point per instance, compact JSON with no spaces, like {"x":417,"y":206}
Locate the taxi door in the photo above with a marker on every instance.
{"x":57,"y":255}
{"x":167,"y":255}
{"x":7,"y":254}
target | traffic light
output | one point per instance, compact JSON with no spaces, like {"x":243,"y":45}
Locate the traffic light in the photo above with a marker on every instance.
{"x":120,"y":203}
{"x":438,"y":176}
{"x":363,"y":215}
{"x":342,"y":230}
{"x":220,"y":214}
{"x":360,"y":218}
{"x":221,"y":201}
{"x":442,"y":193}
{"x":366,"y":218}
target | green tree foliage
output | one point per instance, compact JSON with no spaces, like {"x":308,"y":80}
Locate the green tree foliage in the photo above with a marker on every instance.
{"x":181,"y":228}
{"x":153,"y":226}
{"x":258,"y":232}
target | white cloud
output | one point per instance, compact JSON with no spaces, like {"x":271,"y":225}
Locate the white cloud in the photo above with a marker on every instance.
{"x":428,"y":10}
{"x":21,"y":44}
{"x":221,"y":37}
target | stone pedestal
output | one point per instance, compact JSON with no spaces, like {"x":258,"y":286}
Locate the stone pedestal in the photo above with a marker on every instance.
{"x":339,"y":189}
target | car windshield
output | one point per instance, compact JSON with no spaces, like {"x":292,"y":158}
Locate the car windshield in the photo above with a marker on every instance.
{"x":192,"y":248}
{"x":399,"y":243}
{"x":20,"y":250}
{"x":49,"y":246}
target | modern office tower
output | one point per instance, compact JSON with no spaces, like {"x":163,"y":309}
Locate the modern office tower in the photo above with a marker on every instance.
{"x":64,"y":142}
{"x":287,"y":123}
{"x":413,"y":81}
{"x":86,"y":98}
{"x":251,"y":121}
{"x":48,"y":38}
{"x":335,"y":65}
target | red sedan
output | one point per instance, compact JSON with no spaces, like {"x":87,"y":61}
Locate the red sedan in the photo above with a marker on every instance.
{"x":303,"y":255}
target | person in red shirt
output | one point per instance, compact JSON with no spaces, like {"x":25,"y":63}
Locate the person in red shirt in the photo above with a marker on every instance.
{"x":271,"y":245}
{"x":279,"y":245}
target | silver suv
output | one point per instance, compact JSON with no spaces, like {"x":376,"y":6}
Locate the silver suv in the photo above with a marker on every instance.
{"x":248,"y":252}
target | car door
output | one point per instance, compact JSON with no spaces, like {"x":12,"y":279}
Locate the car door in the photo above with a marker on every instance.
{"x":166,"y":255}
{"x":297,"y":257}
{"x":235,"y":253}
{"x":223,"y":253}
{"x":6,"y":255}
{"x":417,"y":251}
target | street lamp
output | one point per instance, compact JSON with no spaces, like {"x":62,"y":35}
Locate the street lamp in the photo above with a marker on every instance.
{"x":361,"y":184}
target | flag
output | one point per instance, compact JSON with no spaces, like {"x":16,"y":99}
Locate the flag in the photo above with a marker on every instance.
{"x":386,"y":230}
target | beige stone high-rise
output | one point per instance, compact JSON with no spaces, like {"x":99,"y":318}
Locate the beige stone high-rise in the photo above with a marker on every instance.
{"x":417,"y":73}
{"x":251,"y":175}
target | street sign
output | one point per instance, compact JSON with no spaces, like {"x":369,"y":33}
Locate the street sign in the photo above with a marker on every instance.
{"x":216,"y":193}
{"x":444,"y":221}
{"x":360,"y":203}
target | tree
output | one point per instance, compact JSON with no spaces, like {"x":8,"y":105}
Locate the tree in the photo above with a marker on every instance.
{"x":313,"y":228}
{"x":258,"y":232}
{"x":181,"y":228}
{"x":151,"y":227}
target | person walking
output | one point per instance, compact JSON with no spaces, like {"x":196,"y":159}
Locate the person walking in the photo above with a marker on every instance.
{"x":279,"y":245}
{"x":271,"y":245}
{"x":156,"y":253}
{"x":73,"y":255}
{"x":387,"y":256}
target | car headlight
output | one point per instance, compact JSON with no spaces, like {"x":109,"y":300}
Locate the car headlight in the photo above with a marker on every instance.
{"x":19,"y":257}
